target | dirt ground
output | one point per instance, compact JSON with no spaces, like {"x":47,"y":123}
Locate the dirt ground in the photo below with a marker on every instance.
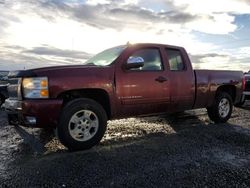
{"x":186,"y":150}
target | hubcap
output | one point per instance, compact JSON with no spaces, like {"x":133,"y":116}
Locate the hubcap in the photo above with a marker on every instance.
{"x":224,"y":107}
{"x":83,"y":125}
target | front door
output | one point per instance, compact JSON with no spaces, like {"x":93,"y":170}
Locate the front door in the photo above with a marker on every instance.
{"x":143,"y":90}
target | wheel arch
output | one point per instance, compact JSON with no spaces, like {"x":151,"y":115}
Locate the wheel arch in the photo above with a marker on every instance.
{"x":230,"y":89}
{"x":99,"y":95}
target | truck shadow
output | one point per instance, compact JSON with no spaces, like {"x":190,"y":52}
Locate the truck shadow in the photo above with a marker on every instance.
{"x":186,"y":123}
{"x":34,"y":140}
{"x":183,"y":120}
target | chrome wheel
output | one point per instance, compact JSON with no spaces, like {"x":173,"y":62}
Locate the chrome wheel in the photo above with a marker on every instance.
{"x":83,"y":125}
{"x":224,"y":107}
{"x":221,"y":109}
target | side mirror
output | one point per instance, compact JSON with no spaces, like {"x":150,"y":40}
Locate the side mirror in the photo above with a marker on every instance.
{"x":134,"y":62}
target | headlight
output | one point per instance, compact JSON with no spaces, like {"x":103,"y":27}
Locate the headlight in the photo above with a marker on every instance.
{"x":35,"y":88}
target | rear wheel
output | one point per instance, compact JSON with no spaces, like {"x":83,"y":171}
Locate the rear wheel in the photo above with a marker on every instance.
{"x":82,"y":124}
{"x":221,"y":109}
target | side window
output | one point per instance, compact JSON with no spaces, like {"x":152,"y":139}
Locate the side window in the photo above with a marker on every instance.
{"x":175,"y":60}
{"x":152,"y":59}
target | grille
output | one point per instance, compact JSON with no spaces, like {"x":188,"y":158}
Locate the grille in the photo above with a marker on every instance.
{"x":14,"y":88}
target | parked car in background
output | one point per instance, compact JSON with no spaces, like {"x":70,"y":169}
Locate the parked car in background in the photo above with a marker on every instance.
{"x":3,"y":86}
{"x":3,"y":94}
{"x":124,"y":81}
{"x":4,"y":77}
{"x":246,"y":92}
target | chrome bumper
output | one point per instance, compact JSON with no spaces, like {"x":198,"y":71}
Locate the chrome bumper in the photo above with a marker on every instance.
{"x":12,"y":105}
{"x":13,"y":108}
{"x":246,"y":92}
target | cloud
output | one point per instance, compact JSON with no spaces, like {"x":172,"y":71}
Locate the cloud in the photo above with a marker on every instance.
{"x":194,"y":15}
{"x":197,"y":59}
{"x":47,"y":29}
{"x":216,"y":61}
{"x":120,"y":15}
{"x":214,"y":6}
{"x":6,"y":18}
{"x":103,"y":2}
{"x":219,"y":23}
{"x":17,"y":57}
{"x":52,"y":51}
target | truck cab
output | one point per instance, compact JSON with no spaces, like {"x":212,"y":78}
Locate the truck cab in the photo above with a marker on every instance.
{"x":165,"y":80}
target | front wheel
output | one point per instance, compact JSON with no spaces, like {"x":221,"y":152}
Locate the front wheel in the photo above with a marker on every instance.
{"x":221,"y":109}
{"x":82,"y":124}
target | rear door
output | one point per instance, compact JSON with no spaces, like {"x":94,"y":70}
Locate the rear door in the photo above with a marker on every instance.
{"x":143,"y":90}
{"x":182,"y":80}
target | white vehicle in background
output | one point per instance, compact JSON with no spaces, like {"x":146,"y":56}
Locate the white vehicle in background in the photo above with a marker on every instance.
{"x":3,"y":86}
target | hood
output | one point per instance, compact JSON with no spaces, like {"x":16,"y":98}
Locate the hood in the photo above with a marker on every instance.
{"x":55,"y":70}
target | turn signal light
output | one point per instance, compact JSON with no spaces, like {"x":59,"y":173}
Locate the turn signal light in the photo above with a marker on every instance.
{"x":44,"y":93}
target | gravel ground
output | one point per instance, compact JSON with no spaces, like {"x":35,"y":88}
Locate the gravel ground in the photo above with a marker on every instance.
{"x":185,"y":150}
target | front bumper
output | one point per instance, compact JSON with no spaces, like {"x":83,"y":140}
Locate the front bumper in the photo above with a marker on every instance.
{"x":33,"y":113}
{"x":246,"y":93}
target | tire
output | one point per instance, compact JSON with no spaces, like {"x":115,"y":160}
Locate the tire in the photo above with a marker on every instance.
{"x":82,"y":124}
{"x":221,"y":109}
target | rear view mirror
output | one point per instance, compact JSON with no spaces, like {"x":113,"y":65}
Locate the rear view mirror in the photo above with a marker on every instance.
{"x":134,"y":62}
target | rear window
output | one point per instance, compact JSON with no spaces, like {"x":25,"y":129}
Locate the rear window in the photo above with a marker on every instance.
{"x":175,"y":60}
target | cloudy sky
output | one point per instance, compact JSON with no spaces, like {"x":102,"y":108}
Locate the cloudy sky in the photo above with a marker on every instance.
{"x":36,"y":33}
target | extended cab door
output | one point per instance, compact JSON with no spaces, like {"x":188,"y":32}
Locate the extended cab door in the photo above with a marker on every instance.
{"x":143,"y":90}
{"x":182,"y":79}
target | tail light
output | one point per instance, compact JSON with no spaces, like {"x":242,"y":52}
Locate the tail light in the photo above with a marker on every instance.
{"x":244,"y":83}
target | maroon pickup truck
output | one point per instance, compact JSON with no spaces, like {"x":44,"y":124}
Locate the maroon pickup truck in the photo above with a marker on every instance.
{"x":124,"y":81}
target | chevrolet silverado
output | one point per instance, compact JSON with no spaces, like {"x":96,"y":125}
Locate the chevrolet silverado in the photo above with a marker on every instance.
{"x":124,"y":81}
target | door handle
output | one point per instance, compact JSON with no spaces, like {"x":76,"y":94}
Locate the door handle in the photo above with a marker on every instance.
{"x":161,"y":79}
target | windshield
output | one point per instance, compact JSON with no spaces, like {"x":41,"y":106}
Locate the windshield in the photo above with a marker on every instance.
{"x":106,"y":57}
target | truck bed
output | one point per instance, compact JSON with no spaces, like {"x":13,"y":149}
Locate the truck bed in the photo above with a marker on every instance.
{"x":208,"y":81}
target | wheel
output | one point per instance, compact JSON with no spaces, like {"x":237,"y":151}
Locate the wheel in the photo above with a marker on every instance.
{"x":82,"y":124}
{"x":221,"y":109}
